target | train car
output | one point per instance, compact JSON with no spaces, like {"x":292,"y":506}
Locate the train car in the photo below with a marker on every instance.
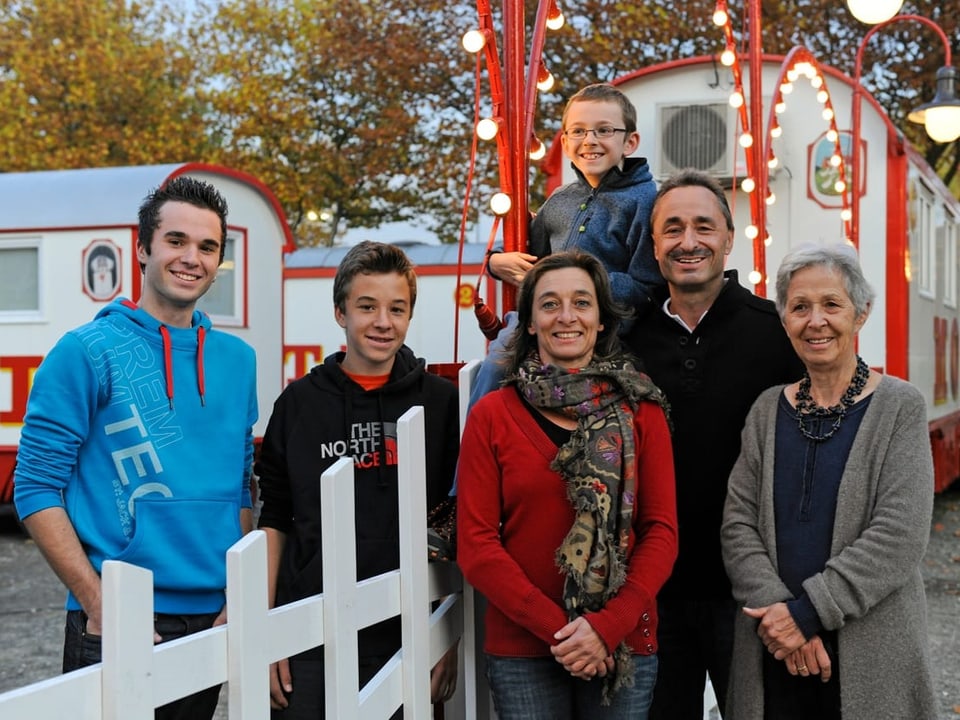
{"x":444,"y":328}
{"x":909,"y":221}
{"x":68,"y":246}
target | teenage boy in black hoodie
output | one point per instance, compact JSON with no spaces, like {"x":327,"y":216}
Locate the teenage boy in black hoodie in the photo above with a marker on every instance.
{"x":349,"y":405}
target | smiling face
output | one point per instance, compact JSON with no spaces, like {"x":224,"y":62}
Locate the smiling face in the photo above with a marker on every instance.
{"x":820,"y":319}
{"x":691,"y":239}
{"x":565,"y":318}
{"x":376,"y":316}
{"x":592,"y":156}
{"x":182,"y":262}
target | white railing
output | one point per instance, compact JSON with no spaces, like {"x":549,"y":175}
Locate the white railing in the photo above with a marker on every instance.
{"x":136,"y":676}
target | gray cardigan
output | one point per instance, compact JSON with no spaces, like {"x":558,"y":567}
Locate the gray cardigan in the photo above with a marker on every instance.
{"x":870,"y":590}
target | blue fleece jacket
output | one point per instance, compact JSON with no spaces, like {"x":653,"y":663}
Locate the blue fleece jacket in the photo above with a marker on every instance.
{"x":610,"y":222}
{"x":144,"y":434}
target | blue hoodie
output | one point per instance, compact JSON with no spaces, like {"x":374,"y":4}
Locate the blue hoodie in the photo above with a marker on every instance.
{"x":144,"y":434}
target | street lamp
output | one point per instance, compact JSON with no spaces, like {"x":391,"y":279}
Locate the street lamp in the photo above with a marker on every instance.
{"x":941,"y":116}
{"x":872,"y":12}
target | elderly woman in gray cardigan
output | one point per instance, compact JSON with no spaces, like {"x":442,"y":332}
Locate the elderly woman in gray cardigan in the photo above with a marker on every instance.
{"x":827,"y":519}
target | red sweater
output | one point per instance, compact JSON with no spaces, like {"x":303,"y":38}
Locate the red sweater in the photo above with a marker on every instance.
{"x":513,"y":513}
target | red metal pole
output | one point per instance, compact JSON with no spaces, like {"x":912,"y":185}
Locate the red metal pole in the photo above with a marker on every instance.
{"x":759,"y":195}
{"x":515,"y":221}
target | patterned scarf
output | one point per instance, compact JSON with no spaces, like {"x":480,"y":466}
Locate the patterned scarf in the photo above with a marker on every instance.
{"x":599,"y":466}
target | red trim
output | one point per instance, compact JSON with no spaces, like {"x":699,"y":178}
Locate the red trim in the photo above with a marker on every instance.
{"x":8,"y":461}
{"x":945,"y":445}
{"x":422,"y":271}
{"x":898,"y":249}
{"x":289,"y":243}
{"x":554,"y":169}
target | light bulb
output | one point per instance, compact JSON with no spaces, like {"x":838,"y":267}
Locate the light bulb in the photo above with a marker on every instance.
{"x":771,"y":198}
{"x":487,"y":129}
{"x":537,"y":149}
{"x":786,"y":88}
{"x":822,"y":96}
{"x":748,"y":185}
{"x":755,"y":277}
{"x":839,"y":186}
{"x":751,"y":232}
{"x":943,"y":123}
{"x":474,"y":41}
{"x":500,"y":203}
{"x":728,"y":57}
{"x":780,"y":107}
{"x":746,"y":140}
{"x":827,"y":114}
{"x":555,"y":22}
{"x":736,"y":99}
{"x":846,"y":214}
{"x":872,"y":12}
{"x":545,"y":82}
{"x":832,"y":135}
{"x":720,"y":17}
{"x":776,"y":131}
{"x":835,"y":160}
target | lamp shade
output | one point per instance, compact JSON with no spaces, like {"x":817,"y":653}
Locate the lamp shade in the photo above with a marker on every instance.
{"x":872,"y":12}
{"x":941,"y":116}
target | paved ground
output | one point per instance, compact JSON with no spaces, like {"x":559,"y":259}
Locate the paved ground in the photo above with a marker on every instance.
{"x":31,"y":602}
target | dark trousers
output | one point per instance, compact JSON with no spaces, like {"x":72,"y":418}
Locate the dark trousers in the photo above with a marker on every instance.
{"x":81,"y":649}
{"x":306,"y":702}
{"x":795,"y":697}
{"x":695,"y":637}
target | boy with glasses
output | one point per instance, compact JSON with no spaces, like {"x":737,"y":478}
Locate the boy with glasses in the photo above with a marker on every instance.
{"x":604,"y":212}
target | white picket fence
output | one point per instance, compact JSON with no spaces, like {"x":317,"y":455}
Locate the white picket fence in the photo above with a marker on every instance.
{"x":136,"y":676}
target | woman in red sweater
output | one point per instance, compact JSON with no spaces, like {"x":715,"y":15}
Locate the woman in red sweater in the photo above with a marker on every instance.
{"x":566,"y":510}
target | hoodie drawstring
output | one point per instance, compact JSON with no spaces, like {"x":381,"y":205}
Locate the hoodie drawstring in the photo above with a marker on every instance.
{"x":201,"y":336}
{"x":167,"y":363}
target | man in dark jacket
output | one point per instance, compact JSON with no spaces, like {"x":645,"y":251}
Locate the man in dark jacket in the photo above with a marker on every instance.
{"x":349,"y":406}
{"x":712,"y":347}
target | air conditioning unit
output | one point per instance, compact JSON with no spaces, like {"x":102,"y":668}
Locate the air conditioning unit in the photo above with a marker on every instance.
{"x":697,"y":136}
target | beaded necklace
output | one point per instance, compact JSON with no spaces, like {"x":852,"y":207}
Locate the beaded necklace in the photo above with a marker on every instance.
{"x":807,"y":408}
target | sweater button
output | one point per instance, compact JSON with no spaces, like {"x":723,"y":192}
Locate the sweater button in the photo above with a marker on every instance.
{"x":690,"y":364}
{"x":646,"y":632}
{"x":650,"y":648}
{"x":645,"y":617}
{"x":683,"y":341}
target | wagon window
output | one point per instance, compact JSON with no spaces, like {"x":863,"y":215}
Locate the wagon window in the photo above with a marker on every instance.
{"x":19,"y":279}
{"x":223,"y":302}
{"x":951,"y":237}
{"x":926,"y":242}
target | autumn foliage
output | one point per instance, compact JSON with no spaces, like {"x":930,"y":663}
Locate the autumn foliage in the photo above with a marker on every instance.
{"x":360,"y":112}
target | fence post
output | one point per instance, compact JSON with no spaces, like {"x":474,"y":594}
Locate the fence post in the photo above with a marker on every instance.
{"x":341,"y":663}
{"x":414,"y":587}
{"x":127,"y":650}
{"x":248,"y":681}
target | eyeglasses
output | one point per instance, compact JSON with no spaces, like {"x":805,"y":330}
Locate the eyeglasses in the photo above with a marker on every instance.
{"x":600,"y":133}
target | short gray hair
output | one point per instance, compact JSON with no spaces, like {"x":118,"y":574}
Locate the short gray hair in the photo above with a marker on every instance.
{"x":841,"y":257}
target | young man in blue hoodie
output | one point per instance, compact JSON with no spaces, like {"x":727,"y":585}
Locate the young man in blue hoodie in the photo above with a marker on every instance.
{"x":114,"y":465}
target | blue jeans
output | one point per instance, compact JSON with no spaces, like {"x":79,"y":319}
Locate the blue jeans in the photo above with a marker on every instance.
{"x":81,"y":649}
{"x":540,"y":689}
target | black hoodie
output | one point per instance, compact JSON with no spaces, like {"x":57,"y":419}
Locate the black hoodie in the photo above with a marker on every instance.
{"x":324,"y":416}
